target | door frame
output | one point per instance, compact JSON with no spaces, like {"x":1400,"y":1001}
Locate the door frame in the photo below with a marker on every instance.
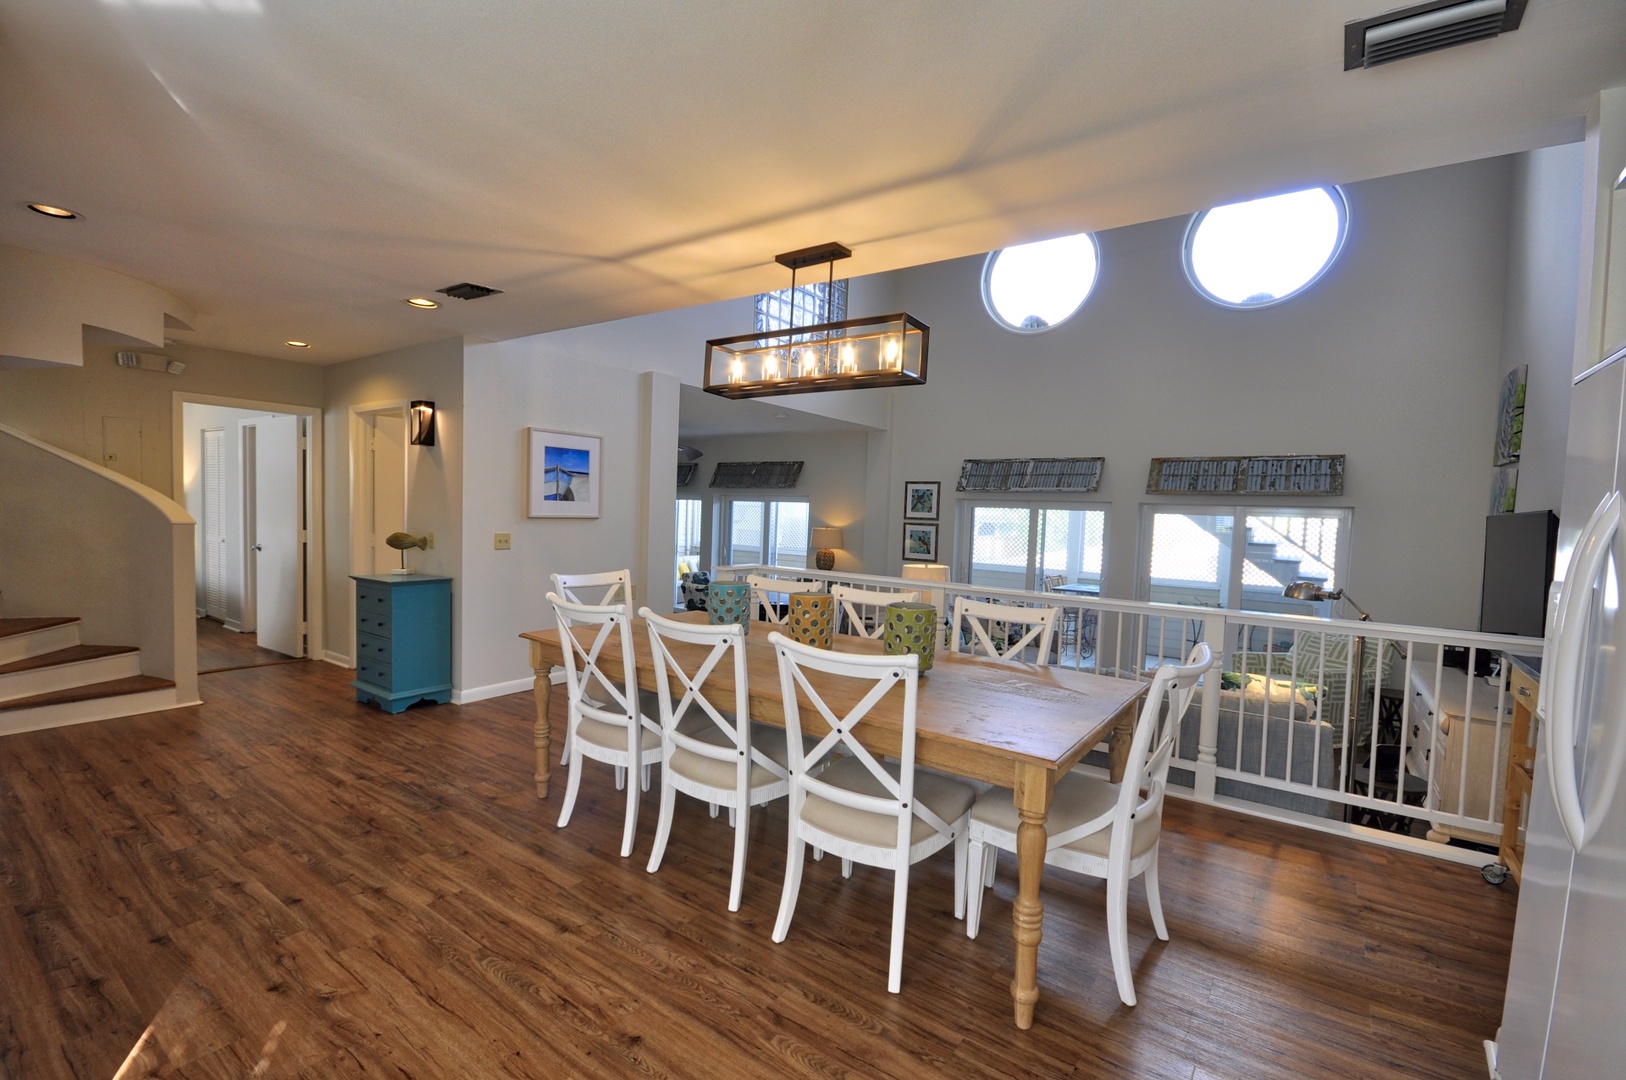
{"x":315,"y":536}
{"x":361,"y":492}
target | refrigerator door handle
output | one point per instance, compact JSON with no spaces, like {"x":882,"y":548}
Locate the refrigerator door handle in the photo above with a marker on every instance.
{"x":1570,"y":635}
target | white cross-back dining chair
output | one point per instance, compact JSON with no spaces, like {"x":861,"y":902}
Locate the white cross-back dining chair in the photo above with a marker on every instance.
{"x":978,"y":616}
{"x":763,"y":588}
{"x":1098,"y":828}
{"x":881,"y":814}
{"x":719,"y":756}
{"x":606,"y":722}
{"x":608,"y":587}
{"x":854,"y":601}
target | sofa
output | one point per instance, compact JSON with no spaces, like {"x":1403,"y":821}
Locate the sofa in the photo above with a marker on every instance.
{"x":1244,"y":698}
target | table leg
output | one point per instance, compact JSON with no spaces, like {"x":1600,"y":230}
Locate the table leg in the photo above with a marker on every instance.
{"x":1123,"y":734}
{"x":543,"y":735}
{"x":1032,"y":796}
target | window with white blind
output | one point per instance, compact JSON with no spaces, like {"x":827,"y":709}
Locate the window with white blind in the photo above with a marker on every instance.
{"x":1192,"y":555}
{"x":1019,"y":545}
{"x":772,"y":532}
{"x":687,"y":553}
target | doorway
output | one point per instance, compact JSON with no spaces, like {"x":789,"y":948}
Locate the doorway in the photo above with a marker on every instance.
{"x":379,"y":490}
{"x":247,"y":471}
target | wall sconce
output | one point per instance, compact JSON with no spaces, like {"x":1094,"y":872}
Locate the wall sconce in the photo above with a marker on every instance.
{"x":825,"y":539}
{"x":423,"y":423}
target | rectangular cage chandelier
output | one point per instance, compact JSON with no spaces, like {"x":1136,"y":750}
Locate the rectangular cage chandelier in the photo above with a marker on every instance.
{"x":850,"y":354}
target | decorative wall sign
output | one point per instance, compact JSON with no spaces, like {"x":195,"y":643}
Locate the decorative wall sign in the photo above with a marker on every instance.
{"x":1031,"y":474}
{"x":1293,"y":474}
{"x":1510,"y":416}
{"x":919,"y":542}
{"x":920,"y":498}
{"x":563,"y":474}
{"x":756,"y":474}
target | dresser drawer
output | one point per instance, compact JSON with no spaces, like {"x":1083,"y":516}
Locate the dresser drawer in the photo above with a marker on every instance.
{"x":373,"y":648}
{"x":376,"y":673}
{"x":372,"y":600}
{"x":376,"y":623}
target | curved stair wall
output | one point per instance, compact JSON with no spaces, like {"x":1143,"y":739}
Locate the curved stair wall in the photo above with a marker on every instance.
{"x":77,"y":539}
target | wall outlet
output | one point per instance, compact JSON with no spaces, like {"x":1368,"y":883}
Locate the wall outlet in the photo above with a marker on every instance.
{"x":504,"y":541}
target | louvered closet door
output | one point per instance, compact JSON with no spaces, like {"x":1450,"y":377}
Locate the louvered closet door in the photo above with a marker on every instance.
{"x":214,"y":523}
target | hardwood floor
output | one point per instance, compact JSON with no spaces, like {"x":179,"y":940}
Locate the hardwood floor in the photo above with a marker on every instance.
{"x":220,"y":649}
{"x":282,"y":883}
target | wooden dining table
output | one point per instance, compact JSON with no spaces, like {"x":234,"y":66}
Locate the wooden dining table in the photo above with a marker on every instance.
{"x":1017,"y":725}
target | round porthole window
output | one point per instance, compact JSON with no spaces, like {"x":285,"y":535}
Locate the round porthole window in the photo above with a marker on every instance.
{"x":1256,"y":253}
{"x":1033,"y":287}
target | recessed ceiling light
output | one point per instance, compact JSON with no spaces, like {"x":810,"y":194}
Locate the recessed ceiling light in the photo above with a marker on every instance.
{"x":297,"y":344}
{"x":423,"y":302}
{"x":51,"y":211}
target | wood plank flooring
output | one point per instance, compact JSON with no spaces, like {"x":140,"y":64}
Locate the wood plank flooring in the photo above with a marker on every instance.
{"x":220,"y":649}
{"x":282,"y":883}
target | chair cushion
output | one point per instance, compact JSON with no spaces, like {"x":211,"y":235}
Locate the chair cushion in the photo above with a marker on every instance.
{"x":945,"y":796}
{"x":1079,"y":798}
{"x":614,"y":736}
{"x":720,"y":774}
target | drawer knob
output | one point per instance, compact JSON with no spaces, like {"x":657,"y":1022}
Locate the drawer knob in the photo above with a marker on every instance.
{"x":1524,"y":691}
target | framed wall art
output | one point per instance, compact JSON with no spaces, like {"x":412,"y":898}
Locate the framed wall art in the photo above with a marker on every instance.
{"x":1510,"y":416}
{"x":920,"y":498}
{"x":563,"y":474}
{"x":919,"y":542}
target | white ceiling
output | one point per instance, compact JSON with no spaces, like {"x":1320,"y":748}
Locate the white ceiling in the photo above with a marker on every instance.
{"x":297,"y":168}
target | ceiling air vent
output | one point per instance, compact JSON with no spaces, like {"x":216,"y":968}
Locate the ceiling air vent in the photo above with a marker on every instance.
{"x":468,"y":291}
{"x":1421,"y":28}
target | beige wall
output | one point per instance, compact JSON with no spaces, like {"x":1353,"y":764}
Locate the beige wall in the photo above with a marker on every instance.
{"x":431,"y":372}
{"x":65,"y":406}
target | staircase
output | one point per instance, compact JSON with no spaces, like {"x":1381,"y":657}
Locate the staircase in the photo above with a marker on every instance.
{"x":48,"y":678}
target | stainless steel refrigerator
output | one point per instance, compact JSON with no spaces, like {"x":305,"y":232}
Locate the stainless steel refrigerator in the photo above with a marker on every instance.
{"x":1565,"y":1012}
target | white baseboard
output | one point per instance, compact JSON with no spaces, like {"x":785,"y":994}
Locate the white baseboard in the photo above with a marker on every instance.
{"x":481,"y":693}
{"x":234,"y":625}
{"x":331,"y":657}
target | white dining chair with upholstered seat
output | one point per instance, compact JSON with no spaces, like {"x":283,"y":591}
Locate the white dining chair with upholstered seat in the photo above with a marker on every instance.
{"x":607,"y":587}
{"x":764,"y":588}
{"x":1098,"y":828}
{"x":606,"y":723}
{"x":870,"y":623}
{"x":717,"y":755}
{"x":978,"y":620}
{"x":881,"y":814}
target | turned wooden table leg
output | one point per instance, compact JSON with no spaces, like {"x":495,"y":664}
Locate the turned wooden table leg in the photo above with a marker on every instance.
{"x":1032,"y":795}
{"x":544,"y":731}
{"x":1123,"y":734}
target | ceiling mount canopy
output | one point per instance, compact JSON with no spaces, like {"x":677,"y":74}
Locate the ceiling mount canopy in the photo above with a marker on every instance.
{"x":848,"y":354}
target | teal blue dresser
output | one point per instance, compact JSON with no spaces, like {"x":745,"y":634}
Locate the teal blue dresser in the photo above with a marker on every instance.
{"x":403,"y":639}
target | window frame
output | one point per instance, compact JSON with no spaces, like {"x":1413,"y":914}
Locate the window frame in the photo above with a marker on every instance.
{"x":1339,"y":200}
{"x":769,"y":526}
{"x":965,"y":513}
{"x":1233,"y":586}
{"x":999,"y":320}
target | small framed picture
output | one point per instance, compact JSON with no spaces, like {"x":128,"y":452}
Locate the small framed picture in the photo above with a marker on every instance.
{"x":564,"y":474}
{"x":919,"y":542}
{"x":920,"y":500}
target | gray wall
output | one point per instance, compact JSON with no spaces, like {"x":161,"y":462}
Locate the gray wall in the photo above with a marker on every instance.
{"x":1393,"y":358}
{"x":1538,"y":322}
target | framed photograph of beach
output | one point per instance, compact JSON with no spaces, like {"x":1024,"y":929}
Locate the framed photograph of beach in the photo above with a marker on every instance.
{"x":563,"y":474}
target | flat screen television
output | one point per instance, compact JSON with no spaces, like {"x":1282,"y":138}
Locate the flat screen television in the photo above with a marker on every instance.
{"x":1519,"y":550}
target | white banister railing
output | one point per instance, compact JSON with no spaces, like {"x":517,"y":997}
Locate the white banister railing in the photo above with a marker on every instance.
{"x":78,"y":539}
{"x":1351,"y":727}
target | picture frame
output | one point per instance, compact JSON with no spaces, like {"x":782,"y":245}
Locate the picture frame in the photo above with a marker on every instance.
{"x":1510,"y":416}
{"x":919,"y":542}
{"x":920,"y":500}
{"x":564,"y":474}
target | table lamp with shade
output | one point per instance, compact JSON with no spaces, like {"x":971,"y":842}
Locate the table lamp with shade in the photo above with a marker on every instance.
{"x":825,"y":539}
{"x":930,"y":571}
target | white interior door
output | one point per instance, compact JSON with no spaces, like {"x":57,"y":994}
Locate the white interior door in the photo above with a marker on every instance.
{"x":214,"y":523}
{"x":279,"y":578}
